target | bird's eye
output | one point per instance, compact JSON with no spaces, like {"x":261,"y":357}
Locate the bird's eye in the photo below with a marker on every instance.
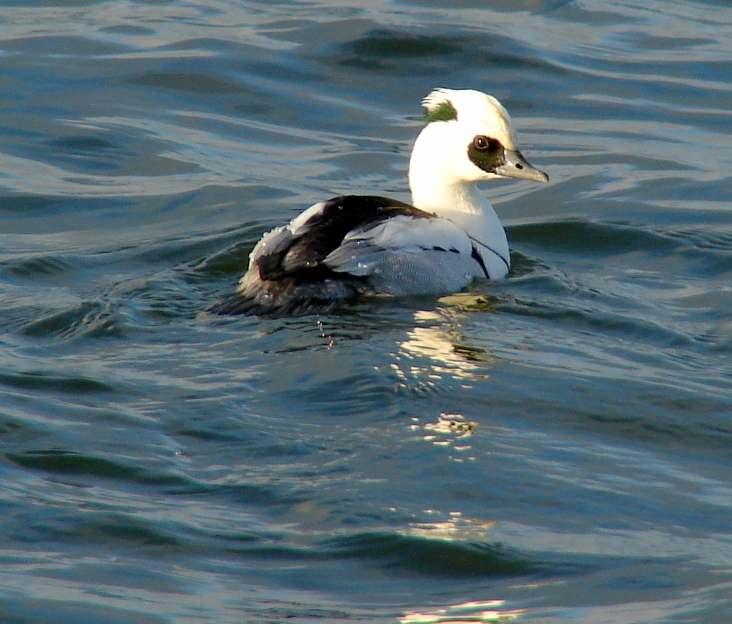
{"x":481,"y":142}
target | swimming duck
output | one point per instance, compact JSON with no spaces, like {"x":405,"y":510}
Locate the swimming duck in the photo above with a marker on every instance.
{"x":356,"y":245}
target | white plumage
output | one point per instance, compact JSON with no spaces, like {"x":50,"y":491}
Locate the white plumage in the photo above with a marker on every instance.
{"x":364,"y":245}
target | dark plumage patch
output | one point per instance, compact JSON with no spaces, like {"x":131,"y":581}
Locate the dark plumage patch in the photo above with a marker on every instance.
{"x":475,"y":254}
{"x":234,"y":304}
{"x":240,"y":304}
{"x":487,"y":153}
{"x":325,"y":231}
{"x":444,"y":111}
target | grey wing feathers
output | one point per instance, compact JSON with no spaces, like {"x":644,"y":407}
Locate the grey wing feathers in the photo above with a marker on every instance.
{"x":302,"y":247}
{"x":353,"y":245}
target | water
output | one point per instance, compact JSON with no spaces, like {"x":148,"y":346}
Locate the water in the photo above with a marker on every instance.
{"x":553,"y":448}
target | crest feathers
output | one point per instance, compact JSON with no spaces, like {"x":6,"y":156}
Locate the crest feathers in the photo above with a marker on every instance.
{"x":438,"y":107}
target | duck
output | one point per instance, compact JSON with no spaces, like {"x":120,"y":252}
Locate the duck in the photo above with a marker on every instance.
{"x":354,"y":246}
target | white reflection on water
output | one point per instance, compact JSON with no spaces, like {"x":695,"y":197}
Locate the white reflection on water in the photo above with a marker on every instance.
{"x":473,"y":611}
{"x":435,"y":353}
{"x":456,"y":528}
{"x":449,"y":430}
{"x":436,"y":350}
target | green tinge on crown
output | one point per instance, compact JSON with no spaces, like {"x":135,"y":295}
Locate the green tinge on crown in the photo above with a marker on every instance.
{"x":444,"y":111}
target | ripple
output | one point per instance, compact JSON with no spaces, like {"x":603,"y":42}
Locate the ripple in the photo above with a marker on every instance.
{"x":704,"y":238}
{"x":433,"y":557}
{"x":189,"y":82}
{"x":38,"y":266}
{"x":83,"y":144}
{"x":395,"y":51}
{"x":580,"y":236}
{"x":606,"y":323}
{"x":89,"y":319}
{"x":38,"y":380}
{"x":390,"y":44}
{"x":89,"y":152}
{"x":124,"y":530}
{"x":164,"y":465}
{"x":70,"y":463}
{"x":232,"y":255}
{"x":16,"y":608}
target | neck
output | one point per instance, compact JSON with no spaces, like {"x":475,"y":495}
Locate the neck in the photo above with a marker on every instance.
{"x":447,"y":200}
{"x":439,"y":186}
{"x":465,"y":206}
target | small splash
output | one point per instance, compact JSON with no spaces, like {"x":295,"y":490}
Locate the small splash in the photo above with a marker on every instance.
{"x":329,"y":339}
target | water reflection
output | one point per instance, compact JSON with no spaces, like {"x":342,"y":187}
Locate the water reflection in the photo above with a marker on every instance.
{"x":436,"y":350}
{"x":449,"y":430}
{"x":455,"y":528}
{"x":452,"y":423}
{"x":473,"y":611}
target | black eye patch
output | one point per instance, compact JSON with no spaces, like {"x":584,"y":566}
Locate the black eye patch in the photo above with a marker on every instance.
{"x":487,"y":153}
{"x":486,"y":144}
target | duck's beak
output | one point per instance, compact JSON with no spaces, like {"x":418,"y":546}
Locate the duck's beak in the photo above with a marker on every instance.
{"x":516,"y":166}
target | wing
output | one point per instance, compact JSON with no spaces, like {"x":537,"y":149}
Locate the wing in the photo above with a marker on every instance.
{"x":405,"y":256}
{"x":403,"y":234}
{"x":300,"y":249}
{"x":353,"y":245}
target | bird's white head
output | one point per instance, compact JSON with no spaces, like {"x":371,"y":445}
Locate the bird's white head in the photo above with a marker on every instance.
{"x":468,"y":138}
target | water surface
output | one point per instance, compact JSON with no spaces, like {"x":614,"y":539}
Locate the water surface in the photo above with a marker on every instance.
{"x":551,"y":448}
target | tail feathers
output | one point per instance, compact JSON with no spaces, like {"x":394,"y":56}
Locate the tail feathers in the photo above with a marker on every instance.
{"x":235,"y":304}
{"x":241,"y":304}
{"x":288,"y":296}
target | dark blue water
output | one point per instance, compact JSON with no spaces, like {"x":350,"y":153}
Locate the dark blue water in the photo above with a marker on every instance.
{"x":555,"y":448}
